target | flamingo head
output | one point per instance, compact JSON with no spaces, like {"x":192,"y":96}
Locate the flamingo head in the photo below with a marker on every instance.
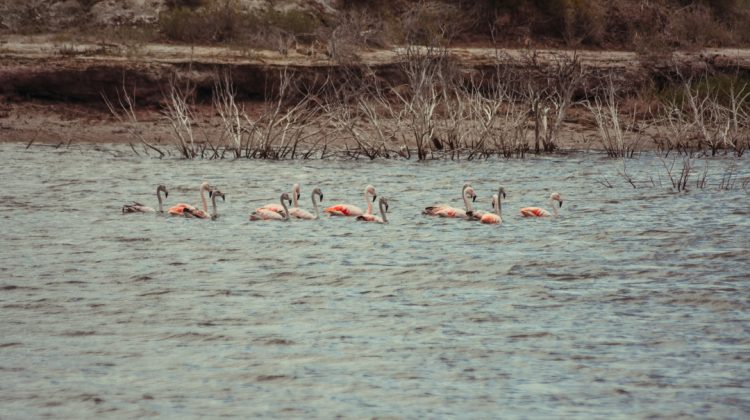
{"x":205,"y":186}
{"x":371,"y":190}
{"x":470,"y":193}
{"x":163,"y":189}
{"x":296,"y":190}
{"x":318,"y":192}
{"x":556,"y":197}
{"x":501,"y":192}
{"x":216,"y":193}
{"x":285,"y":196}
{"x":384,"y":202}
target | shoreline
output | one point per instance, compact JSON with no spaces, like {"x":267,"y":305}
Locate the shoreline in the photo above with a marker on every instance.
{"x":51,"y":91}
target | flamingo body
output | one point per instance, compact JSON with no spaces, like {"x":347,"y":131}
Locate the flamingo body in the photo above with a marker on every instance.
{"x":344,"y":210}
{"x":187,"y":210}
{"x":490,"y":219}
{"x":445,"y":211}
{"x":540,"y":212}
{"x":299,"y":213}
{"x":136,"y":207}
{"x":534,"y":212}
{"x":369,"y":218}
{"x":265,"y":214}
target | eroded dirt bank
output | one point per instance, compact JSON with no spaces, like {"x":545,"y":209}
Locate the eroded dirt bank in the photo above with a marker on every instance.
{"x":52,"y":92}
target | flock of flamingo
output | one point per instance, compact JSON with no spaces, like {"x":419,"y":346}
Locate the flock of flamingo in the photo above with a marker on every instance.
{"x":282,"y":212}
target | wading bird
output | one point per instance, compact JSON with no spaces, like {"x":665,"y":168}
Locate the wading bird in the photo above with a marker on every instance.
{"x":180,"y":209}
{"x":383,"y":204}
{"x":540,"y":212}
{"x":265,"y":214}
{"x":136,"y":207}
{"x":444,"y":210}
{"x":351,"y":210}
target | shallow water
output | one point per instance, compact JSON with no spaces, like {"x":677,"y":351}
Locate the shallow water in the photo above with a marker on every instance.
{"x":635,"y":302}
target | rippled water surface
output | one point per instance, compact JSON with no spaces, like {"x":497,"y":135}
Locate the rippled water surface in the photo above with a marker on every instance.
{"x":635,"y":302}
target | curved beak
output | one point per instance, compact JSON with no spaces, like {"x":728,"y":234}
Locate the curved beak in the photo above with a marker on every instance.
{"x":374,"y":197}
{"x":560,"y":203}
{"x":297,"y":196}
{"x":210,"y":194}
{"x":386,"y":208}
{"x":290,"y":202}
{"x":166,"y":193}
{"x":223,"y":198}
{"x":503,"y":194}
{"x":474,"y":199}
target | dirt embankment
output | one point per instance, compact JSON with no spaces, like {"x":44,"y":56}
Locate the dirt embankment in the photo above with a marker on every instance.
{"x":52,"y":92}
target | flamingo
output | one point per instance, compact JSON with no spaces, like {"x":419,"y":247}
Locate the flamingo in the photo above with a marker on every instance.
{"x":183,"y":209}
{"x":383,"y":204}
{"x":136,"y":207}
{"x":277,"y":208}
{"x":266,"y":214}
{"x":444,"y":210}
{"x":350,"y":210}
{"x":479,"y":214}
{"x":496,"y":217}
{"x":540,"y":212}
{"x":299,"y":213}
{"x":213,"y":194}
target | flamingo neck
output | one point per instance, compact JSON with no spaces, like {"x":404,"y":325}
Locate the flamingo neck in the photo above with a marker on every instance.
{"x":369,"y":203}
{"x":294,"y":199}
{"x":467,"y":203}
{"x":286,"y":210}
{"x":499,"y":205}
{"x":213,"y":204}
{"x":554,"y":208}
{"x":158,"y":197}
{"x":382,"y":212}
{"x":315,"y":205}
{"x":203,"y":200}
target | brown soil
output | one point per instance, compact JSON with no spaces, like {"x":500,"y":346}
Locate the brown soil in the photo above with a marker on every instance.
{"x":51,"y":92}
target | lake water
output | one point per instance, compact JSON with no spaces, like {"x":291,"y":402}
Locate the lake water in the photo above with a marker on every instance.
{"x":634,"y":302}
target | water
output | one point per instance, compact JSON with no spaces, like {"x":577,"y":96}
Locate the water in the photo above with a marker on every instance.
{"x":635,"y":302}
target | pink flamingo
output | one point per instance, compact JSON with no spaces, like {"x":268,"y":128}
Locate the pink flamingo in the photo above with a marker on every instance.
{"x":477,"y":215}
{"x":444,"y":210}
{"x":183,"y":209}
{"x":266,"y":214}
{"x":200,"y":214}
{"x":299,"y":213}
{"x":277,"y":208}
{"x":383,"y":204}
{"x":540,"y":212}
{"x":350,"y":210}
{"x":136,"y":207}
{"x":490,"y":216}
{"x":496,"y":217}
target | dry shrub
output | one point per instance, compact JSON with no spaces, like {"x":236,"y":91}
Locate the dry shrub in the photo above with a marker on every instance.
{"x":219,"y":22}
{"x":584,"y":22}
{"x":695,"y":26}
{"x":433,"y":23}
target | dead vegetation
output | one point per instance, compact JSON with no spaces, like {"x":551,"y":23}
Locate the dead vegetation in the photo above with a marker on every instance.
{"x":438,"y":110}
